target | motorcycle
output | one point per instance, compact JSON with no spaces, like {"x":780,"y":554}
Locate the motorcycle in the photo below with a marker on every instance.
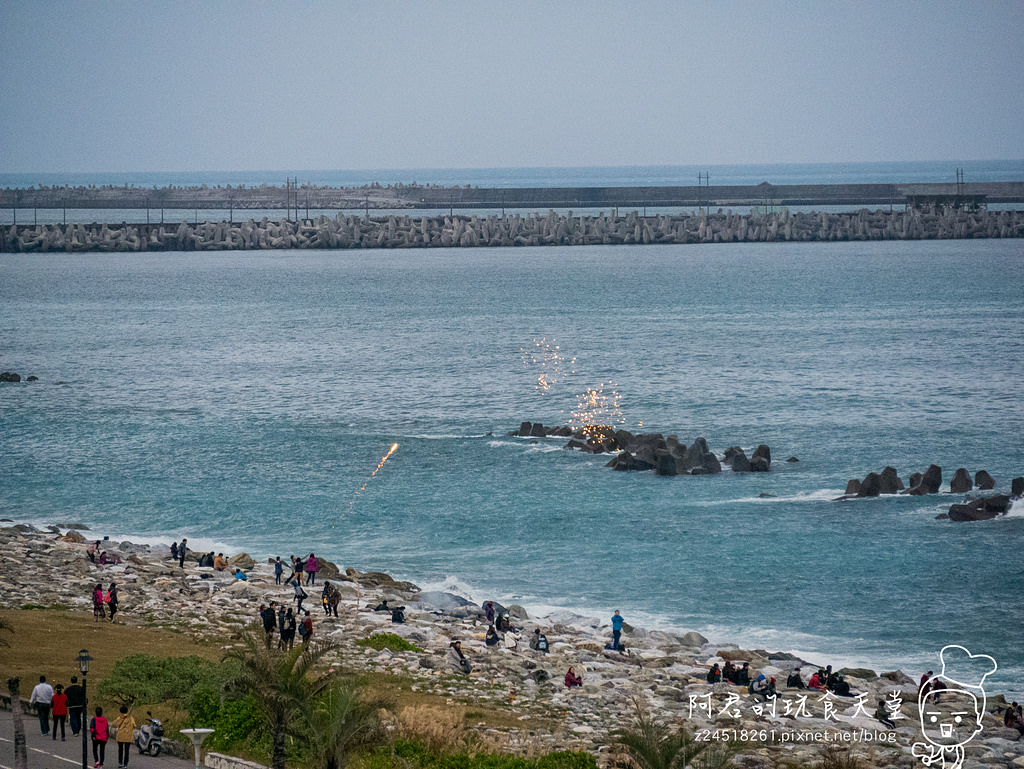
{"x":149,"y":738}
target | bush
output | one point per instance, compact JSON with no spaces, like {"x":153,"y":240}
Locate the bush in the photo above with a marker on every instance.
{"x":145,"y":679}
{"x":390,"y":641}
{"x":409,"y":754}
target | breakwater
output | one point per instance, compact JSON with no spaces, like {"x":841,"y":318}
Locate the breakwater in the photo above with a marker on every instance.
{"x":343,"y":232}
{"x":433,"y":196}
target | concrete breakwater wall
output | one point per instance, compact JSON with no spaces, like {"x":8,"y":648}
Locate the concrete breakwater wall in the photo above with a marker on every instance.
{"x":343,"y":232}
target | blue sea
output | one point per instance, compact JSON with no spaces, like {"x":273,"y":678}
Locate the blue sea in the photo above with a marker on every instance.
{"x":245,"y":399}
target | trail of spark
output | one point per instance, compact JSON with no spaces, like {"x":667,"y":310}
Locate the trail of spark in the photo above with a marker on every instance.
{"x":392,"y":450}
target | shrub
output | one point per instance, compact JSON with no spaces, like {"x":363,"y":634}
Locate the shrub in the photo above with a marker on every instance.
{"x":390,"y":641}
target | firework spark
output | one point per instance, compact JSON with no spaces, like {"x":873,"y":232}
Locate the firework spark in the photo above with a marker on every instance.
{"x":598,"y":410}
{"x":549,"y":360}
{"x":392,"y":450}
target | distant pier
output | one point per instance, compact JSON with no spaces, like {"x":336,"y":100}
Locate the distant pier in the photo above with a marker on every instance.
{"x":554,"y":229}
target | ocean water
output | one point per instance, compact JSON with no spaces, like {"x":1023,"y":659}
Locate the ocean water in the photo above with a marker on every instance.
{"x":244,"y":399}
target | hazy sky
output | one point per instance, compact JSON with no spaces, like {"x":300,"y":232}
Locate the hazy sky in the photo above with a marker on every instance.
{"x":169,"y":86}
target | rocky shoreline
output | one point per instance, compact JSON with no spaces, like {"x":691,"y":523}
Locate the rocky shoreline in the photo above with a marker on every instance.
{"x":663,"y":672}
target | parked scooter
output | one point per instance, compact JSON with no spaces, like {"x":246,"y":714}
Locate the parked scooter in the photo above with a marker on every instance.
{"x":149,"y":738}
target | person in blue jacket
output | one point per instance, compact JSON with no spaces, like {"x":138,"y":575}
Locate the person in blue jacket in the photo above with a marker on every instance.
{"x":616,"y":630}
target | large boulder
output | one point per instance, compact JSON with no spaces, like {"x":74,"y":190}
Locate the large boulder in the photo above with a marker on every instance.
{"x":693,"y":638}
{"x":737,"y":458}
{"x":1017,"y":487}
{"x":711,"y":465}
{"x":665,"y":463}
{"x":241,"y":561}
{"x":72,"y":536}
{"x":852,"y":486}
{"x":538,"y":431}
{"x":524,"y":428}
{"x":999,"y":503}
{"x":10,"y":376}
{"x":961,"y":482}
{"x":930,"y":482}
{"x":890,"y":481}
{"x":871,"y":486}
{"x":915,"y":479}
{"x":327,"y":569}
{"x":762,"y":451}
{"x":984,"y":481}
{"x":967,"y":513}
{"x":623,"y":461}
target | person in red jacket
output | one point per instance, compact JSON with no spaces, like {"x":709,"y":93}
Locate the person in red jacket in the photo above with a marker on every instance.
{"x":571,"y":679}
{"x":60,"y":710}
{"x":98,"y":727}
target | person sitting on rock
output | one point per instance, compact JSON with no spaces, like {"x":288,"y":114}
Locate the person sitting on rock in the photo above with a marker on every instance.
{"x":729,"y":672}
{"x":815,"y":682}
{"x":840,"y":686}
{"x":504,"y":623}
{"x":456,"y":660}
{"x":382,"y":606}
{"x":398,"y":615}
{"x":743,"y":675}
{"x":882,"y":714}
{"x":759,"y":686}
{"x":240,"y":575}
{"x":714,"y":675}
{"x":512,"y":639}
{"x":206,"y":561}
{"x":220,"y":563}
{"x":491,"y":638}
{"x":571,"y":679}
{"x":795,"y":681}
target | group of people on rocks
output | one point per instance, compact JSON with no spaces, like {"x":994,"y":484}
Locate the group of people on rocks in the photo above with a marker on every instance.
{"x":284,"y":624}
{"x":824,"y":678}
{"x":98,"y":555}
{"x":1013,"y":717}
{"x":397,"y":612}
{"x":738,"y":676}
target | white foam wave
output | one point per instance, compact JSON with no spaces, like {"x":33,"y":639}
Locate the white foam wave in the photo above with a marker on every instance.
{"x":818,"y":495}
{"x":447,"y":436}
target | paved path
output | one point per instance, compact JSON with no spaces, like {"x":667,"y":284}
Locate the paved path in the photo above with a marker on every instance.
{"x":47,"y":753}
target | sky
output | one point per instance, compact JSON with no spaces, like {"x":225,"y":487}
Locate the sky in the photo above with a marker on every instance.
{"x":232,"y":86}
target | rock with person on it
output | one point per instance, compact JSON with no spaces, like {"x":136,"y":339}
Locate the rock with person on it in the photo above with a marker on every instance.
{"x":929,"y":483}
{"x":961,"y":481}
{"x":984,"y":481}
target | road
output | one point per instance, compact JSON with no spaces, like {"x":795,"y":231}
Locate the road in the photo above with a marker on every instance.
{"x":47,"y":753}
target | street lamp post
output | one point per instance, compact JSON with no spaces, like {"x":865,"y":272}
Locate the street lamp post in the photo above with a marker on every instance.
{"x":83,"y":665}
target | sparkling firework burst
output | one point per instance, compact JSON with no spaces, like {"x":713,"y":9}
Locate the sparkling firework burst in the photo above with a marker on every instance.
{"x":547,"y":358}
{"x":598,"y":410}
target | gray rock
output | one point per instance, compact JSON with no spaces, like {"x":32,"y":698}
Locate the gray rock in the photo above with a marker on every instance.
{"x":890,"y":481}
{"x":518,"y":612}
{"x":930,"y":482}
{"x":242,"y":561}
{"x":852,"y":486}
{"x":984,"y":481}
{"x":693,"y":638}
{"x":961,"y":481}
{"x":1017,"y":487}
{"x":871,"y":486}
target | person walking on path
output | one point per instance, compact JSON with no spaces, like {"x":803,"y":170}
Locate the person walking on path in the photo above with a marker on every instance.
{"x":125,"y":726}
{"x":181,"y":553}
{"x":278,"y":570}
{"x":42,"y":698}
{"x":112,"y":599}
{"x":311,"y":569}
{"x":98,"y":728}
{"x":59,"y":710}
{"x":616,"y":630}
{"x":76,"y":705}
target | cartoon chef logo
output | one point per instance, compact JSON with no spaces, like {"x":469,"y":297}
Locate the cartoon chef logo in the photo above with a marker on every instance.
{"x":952,"y":705}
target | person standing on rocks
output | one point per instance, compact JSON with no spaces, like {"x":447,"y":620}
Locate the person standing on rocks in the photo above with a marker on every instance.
{"x":269,"y":617}
{"x":300,"y":594}
{"x":174,"y":550}
{"x":42,"y":698}
{"x":311,"y":569}
{"x":288,"y":631}
{"x":306,"y":629}
{"x":181,"y":553}
{"x":278,"y":570}
{"x":616,"y":630}
{"x":76,"y":705}
{"x":112,"y":599}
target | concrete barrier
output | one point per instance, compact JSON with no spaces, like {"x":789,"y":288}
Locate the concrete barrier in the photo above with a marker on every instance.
{"x":344,"y":232}
{"x":221,"y":761}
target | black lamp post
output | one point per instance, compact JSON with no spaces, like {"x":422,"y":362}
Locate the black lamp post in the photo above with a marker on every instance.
{"x":83,"y":665}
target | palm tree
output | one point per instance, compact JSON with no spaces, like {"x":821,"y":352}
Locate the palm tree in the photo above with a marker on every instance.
{"x":341,"y":719}
{"x":652,"y":745}
{"x":281,"y":683}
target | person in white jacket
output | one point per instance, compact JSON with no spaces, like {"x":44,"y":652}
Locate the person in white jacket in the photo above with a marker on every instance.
{"x":42,"y":698}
